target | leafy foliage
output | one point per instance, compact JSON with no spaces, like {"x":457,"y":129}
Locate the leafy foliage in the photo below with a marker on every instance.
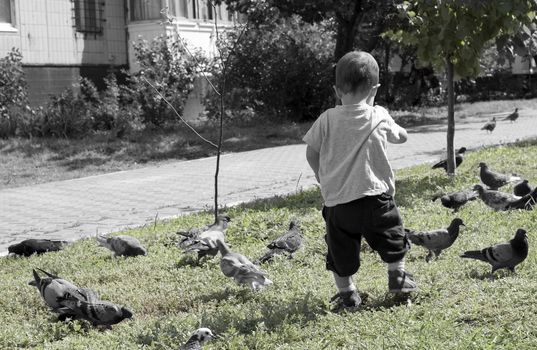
{"x":281,"y":69}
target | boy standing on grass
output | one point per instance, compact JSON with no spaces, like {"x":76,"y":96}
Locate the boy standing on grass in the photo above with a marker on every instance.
{"x":346,"y":148}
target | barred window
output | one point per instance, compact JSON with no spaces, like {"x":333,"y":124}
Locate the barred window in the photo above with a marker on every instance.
{"x":88,"y":15}
{"x":5,"y":11}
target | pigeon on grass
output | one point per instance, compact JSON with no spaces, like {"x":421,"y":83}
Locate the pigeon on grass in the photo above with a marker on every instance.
{"x":241,"y":269}
{"x":490,"y":125}
{"x":522,"y":188}
{"x":197,"y":339}
{"x":435,"y":241}
{"x":98,"y":313}
{"x":495,"y":199}
{"x":35,"y":246}
{"x":513,"y":116}
{"x":455,"y":200}
{"x":526,"y":202}
{"x":495,"y":180}
{"x":206,"y":244}
{"x":459,"y":157}
{"x":191,"y":236}
{"x":122,"y":245}
{"x":288,"y":243}
{"x":53,"y":287}
{"x":504,"y":255}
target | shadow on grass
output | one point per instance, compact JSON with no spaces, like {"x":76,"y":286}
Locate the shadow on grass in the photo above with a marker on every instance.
{"x":408,"y":187}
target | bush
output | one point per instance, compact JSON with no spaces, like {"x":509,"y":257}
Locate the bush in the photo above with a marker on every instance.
{"x":169,"y":68}
{"x":279,"y":69}
{"x":13,"y":92}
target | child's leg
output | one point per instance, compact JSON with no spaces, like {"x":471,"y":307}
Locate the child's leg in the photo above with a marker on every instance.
{"x":344,"y":284}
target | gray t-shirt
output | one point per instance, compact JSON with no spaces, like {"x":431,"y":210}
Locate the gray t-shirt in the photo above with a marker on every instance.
{"x":351,"y":141}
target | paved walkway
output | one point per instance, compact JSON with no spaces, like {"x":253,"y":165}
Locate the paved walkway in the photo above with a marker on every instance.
{"x":107,"y":203}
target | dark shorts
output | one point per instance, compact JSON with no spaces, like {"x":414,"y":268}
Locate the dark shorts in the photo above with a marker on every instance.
{"x":377,"y":219}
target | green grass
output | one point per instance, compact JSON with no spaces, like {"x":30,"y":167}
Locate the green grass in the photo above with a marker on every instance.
{"x":458,"y":306}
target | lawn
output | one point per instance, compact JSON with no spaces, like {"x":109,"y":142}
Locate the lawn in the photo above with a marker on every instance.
{"x":458,"y":306}
{"x":39,"y":160}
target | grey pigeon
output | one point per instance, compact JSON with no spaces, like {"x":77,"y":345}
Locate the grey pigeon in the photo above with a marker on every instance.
{"x":206,"y":243}
{"x":522,"y":188}
{"x":436,"y":240}
{"x":495,"y":180}
{"x":490,"y":125}
{"x":99,"y":313}
{"x":53,"y":287}
{"x":35,"y":246}
{"x":495,"y":199}
{"x":526,"y":202}
{"x":504,"y":255}
{"x":122,"y":245}
{"x":459,"y":157}
{"x":191,"y":236}
{"x":197,"y":339}
{"x":241,"y":269}
{"x":455,"y":200}
{"x":289,"y":243}
{"x":513,"y":116}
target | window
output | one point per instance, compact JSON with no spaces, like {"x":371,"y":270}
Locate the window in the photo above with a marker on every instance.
{"x":5,"y":11}
{"x":89,"y":16}
{"x":146,"y":9}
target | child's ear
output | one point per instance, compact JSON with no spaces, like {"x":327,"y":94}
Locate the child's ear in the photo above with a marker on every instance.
{"x":336,"y":90}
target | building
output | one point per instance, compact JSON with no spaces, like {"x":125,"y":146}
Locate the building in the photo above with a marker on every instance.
{"x":62,"y":40}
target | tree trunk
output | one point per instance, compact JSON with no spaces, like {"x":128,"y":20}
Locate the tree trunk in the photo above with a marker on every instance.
{"x":347,"y":27}
{"x":451,"y":119}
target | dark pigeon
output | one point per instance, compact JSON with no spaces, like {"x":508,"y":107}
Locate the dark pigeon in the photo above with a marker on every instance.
{"x":522,"y":188}
{"x":526,"y":202}
{"x":99,"y":313}
{"x":241,"y":269}
{"x":459,"y":157}
{"x":436,"y":240}
{"x":288,"y":243}
{"x":493,"y":179}
{"x":455,"y":200}
{"x":197,"y":339}
{"x":122,"y":245}
{"x":192,"y":236}
{"x":495,"y":199}
{"x":35,"y":246}
{"x":490,"y":125}
{"x":513,"y":116}
{"x":504,"y":255}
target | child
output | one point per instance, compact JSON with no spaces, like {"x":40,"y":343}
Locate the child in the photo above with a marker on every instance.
{"x":346,"y":148}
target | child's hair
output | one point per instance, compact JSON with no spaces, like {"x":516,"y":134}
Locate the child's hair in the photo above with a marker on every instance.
{"x":355,"y":71}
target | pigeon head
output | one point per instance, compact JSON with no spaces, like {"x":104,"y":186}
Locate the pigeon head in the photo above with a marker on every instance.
{"x":293,"y":224}
{"x":126,"y":313}
{"x":457,"y":222}
{"x":483,"y":165}
{"x":16,"y":249}
{"x":461,"y":150}
{"x":223,"y":220}
{"x":203,"y":334}
{"x":521,"y":234}
{"x":478,"y":188}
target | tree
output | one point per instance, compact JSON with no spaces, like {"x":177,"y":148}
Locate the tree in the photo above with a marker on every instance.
{"x":364,"y":20}
{"x":450,"y":35}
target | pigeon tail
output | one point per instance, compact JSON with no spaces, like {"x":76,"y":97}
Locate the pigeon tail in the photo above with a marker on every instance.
{"x":474,"y":254}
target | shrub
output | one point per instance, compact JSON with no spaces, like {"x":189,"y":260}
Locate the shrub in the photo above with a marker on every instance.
{"x":279,"y":69}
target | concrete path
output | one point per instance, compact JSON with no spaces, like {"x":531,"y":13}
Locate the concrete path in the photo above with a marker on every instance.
{"x":108,"y":203}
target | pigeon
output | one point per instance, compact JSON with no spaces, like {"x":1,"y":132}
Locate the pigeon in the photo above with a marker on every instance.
{"x":242,"y":270}
{"x":35,"y":246}
{"x":495,"y":199}
{"x":459,"y":157}
{"x":191,"y":236}
{"x":526,"y":202}
{"x":122,"y":245}
{"x":436,"y":240}
{"x":99,"y":313}
{"x":513,"y":116}
{"x":504,"y":255}
{"x":490,"y":125}
{"x":522,"y":188}
{"x":197,"y":339}
{"x":205,"y":244}
{"x":493,"y":179}
{"x":455,"y":200}
{"x":53,"y":287}
{"x":289,"y":242}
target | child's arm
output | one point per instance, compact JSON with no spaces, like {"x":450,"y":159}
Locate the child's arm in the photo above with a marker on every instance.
{"x":312,"y":156}
{"x":398,"y":134}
